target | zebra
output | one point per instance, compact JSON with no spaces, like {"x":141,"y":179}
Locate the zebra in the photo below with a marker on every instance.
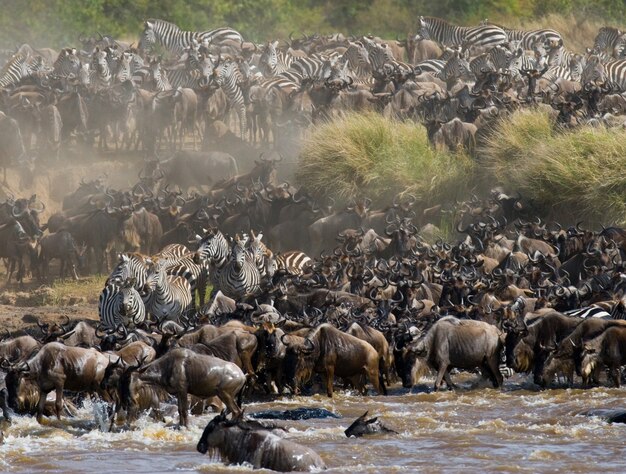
{"x":433,"y":66}
{"x":101,"y":76}
{"x":273,"y":61}
{"x":314,"y":67}
{"x":121,"y":303}
{"x":175,"y":40}
{"x":131,"y":266}
{"x":606,"y":41}
{"x":559,"y":56}
{"x":357,"y":59}
{"x":21,"y":65}
{"x":612,"y":73}
{"x":213,"y":250}
{"x":195,"y":272}
{"x":171,"y":252}
{"x":229,"y":78}
{"x":193,"y":73}
{"x":589,"y":312}
{"x":159,"y":76}
{"x":456,"y":68}
{"x":170,"y":296}
{"x":527,"y":39}
{"x":476,"y":38}
{"x":240,"y":276}
{"x":293,"y":262}
{"x":260,"y":254}
{"x":67,"y":63}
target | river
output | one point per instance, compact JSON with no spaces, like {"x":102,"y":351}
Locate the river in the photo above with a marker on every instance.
{"x":516,"y":429}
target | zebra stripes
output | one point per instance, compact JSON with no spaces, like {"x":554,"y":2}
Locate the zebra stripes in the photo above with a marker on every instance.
{"x":101,"y":75}
{"x":273,"y":61}
{"x":483,"y":37}
{"x":608,"y":40}
{"x":240,"y":276}
{"x":131,"y":266}
{"x":175,"y":40}
{"x":528,"y":39}
{"x":229,"y":78}
{"x":120,"y":303}
{"x":612,"y":73}
{"x":170,"y":296}
{"x":67,"y":63}
{"x":22,"y":64}
{"x":293,"y":263}
{"x":589,"y":312}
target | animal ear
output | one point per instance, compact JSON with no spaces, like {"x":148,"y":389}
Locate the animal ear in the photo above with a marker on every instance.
{"x":373,"y":420}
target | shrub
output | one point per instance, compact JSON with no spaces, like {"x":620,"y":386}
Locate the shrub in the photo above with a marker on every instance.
{"x":370,"y":155}
{"x":571,"y":174}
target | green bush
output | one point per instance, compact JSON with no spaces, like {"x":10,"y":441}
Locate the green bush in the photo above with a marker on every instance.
{"x":370,"y":155}
{"x":571,"y":174}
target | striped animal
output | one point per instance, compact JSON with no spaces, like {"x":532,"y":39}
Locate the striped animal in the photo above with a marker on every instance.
{"x":477,"y":38}
{"x":173,"y":39}
{"x":170,"y":296}
{"x":121,"y":303}
{"x":240,"y":276}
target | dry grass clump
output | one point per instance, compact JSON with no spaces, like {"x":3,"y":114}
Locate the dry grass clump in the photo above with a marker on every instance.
{"x":370,"y":155}
{"x":576,"y":174}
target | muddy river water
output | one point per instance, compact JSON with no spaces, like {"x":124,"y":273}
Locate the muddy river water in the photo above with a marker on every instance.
{"x":473,"y":429}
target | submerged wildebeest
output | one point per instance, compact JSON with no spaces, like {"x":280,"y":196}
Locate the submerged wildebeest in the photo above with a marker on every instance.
{"x":237,"y":441}
{"x":361,"y":427}
{"x":296,"y":414}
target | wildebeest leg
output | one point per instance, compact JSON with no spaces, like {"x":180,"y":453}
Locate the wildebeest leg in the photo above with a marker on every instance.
{"x":41,"y":405}
{"x":449,"y":383}
{"x":493,"y":371}
{"x":330,"y":376}
{"x":4,"y":404}
{"x":440,"y":374}
{"x":183,"y":408}
{"x":373,"y":375}
{"x":615,"y":375}
{"x":58,"y":403}
{"x":230,"y":402}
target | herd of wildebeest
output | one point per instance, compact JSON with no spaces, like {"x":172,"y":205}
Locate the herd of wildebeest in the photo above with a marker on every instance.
{"x":179,"y":88}
{"x":225,"y":285}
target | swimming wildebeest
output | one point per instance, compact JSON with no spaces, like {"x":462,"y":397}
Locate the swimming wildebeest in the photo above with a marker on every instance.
{"x":237,"y":441}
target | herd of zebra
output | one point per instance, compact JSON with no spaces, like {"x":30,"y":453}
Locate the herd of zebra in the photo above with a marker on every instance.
{"x":178,"y":83}
{"x":164,"y":285}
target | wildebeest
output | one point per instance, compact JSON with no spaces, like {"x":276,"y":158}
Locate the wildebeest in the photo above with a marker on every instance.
{"x":331,"y":352}
{"x":237,"y":442}
{"x":61,"y":245}
{"x":361,"y":427}
{"x":182,"y":372}
{"x":464,"y":344}
{"x":295,"y":414}
{"x":607,"y":350}
{"x":541,"y":336}
{"x":58,"y":367}
{"x":567,"y":356}
{"x":195,"y":169}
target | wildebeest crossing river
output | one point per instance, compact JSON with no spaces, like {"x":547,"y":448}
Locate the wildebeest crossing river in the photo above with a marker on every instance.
{"x":517,"y":429}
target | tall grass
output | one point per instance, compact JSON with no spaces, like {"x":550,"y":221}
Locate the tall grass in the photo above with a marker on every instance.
{"x":370,"y":155}
{"x":575,"y":174}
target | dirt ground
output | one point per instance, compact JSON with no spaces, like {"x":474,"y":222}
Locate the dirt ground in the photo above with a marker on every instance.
{"x":17,"y":319}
